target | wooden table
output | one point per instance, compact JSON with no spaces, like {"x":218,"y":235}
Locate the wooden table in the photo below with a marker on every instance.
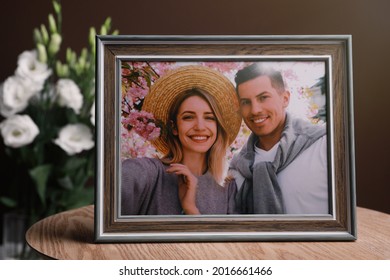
{"x":70,"y":235}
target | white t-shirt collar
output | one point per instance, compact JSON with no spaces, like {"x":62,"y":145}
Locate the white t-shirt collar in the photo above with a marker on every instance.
{"x":263,"y":155}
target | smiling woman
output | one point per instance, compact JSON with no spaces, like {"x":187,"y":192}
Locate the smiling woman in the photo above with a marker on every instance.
{"x":194,"y":138}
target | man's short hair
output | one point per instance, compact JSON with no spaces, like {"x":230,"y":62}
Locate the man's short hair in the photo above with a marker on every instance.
{"x":260,"y":69}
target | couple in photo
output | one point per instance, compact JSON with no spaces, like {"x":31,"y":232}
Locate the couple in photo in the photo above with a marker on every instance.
{"x":281,"y":169}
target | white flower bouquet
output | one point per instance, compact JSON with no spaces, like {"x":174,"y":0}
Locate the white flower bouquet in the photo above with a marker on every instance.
{"x":47,"y":123}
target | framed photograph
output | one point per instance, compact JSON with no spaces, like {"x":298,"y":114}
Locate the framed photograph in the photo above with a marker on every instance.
{"x":224,"y":138}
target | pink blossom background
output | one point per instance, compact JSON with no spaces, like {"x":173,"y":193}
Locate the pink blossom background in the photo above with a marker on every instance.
{"x":139,"y":127}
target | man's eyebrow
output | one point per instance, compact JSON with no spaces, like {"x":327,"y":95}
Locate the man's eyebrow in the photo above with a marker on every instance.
{"x":257,"y":95}
{"x":261,"y":93}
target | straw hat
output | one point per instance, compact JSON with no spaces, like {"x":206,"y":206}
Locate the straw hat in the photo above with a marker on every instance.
{"x":164,"y":91}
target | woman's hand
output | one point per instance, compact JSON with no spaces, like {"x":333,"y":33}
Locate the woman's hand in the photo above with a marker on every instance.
{"x":188,"y":184}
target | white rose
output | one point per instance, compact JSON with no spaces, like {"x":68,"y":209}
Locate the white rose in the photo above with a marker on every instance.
{"x":18,"y":131}
{"x":31,"y":69}
{"x":74,"y":138}
{"x":93,"y":113}
{"x":69,"y":95}
{"x":14,"y":96}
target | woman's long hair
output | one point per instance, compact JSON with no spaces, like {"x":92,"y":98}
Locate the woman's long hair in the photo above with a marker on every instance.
{"x":216,"y":155}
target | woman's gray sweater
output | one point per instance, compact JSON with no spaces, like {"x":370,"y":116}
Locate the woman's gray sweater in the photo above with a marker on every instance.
{"x":147,"y":189}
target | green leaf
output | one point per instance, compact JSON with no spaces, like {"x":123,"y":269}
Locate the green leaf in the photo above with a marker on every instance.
{"x":26,"y":154}
{"x":45,"y":34}
{"x":52,"y":24}
{"x":84,"y":54}
{"x":107,"y":24}
{"x":6,"y":201}
{"x":62,"y":69}
{"x":40,"y":175}
{"x":80,"y":177}
{"x":91,"y":37}
{"x":37,"y":36}
{"x":70,"y":56}
{"x":57,"y":7}
{"x":74,"y":163}
{"x":55,"y":44}
{"x":103,"y":30}
{"x":42,"y":54}
{"x":66,"y":183}
{"x":71,"y":116}
{"x":81,"y":198}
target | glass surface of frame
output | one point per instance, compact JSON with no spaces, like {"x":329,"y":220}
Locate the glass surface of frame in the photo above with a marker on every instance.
{"x":317,"y":71}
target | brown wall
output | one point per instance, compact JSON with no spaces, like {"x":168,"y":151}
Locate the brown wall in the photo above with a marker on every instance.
{"x":367,"y":21}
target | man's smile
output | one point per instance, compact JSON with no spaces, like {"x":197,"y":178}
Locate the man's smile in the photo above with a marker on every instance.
{"x":258,"y":120}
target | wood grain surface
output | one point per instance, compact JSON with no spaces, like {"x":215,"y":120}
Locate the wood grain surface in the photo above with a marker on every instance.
{"x":70,"y":235}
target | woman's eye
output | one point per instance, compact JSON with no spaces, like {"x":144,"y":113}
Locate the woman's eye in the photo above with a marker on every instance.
{"x":187,"y":117}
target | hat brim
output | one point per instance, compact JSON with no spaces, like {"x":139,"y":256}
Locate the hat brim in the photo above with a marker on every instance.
{"x":164,"y":91}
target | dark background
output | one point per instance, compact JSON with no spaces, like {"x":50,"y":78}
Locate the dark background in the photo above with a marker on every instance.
{"x":367,"y":21}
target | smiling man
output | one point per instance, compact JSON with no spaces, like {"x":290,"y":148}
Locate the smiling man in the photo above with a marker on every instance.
{"x":282,"y":169}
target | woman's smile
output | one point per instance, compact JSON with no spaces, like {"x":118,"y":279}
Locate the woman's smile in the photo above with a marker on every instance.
{"x":199,"y":138}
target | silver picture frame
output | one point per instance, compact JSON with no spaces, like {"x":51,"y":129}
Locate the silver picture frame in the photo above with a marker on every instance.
{"x":333,"y":51}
